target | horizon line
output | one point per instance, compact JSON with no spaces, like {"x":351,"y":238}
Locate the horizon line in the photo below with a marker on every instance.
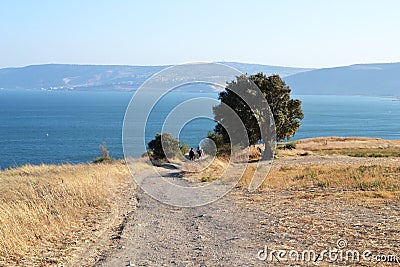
{"x":221,"y":62}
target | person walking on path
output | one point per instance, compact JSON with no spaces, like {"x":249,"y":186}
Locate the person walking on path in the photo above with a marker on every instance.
{"x":191,"y":154}
{"x":199,"y":152}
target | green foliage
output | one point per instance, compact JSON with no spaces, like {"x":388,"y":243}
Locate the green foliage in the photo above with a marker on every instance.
{"x":184,"y":149}
{"x":223,"y":146}
{"x":288,"y":145}
{"x":287,"y":112}
{"x":164,"y":146}
{"x":104,"y":154}
{"x":205,"y":179}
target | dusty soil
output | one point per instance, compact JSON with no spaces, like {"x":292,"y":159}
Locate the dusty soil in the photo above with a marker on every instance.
{"x":237,"y":229}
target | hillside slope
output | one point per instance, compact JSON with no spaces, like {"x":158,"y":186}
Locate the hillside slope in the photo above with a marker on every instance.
{"x":364,"y":79}
{"x":102,"y":77}
{"x":78,"y":77}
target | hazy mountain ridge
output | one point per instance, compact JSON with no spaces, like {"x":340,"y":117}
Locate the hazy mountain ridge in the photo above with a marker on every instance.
{"x":102,"y":77}
{"x":77,"y":77}
{"x":250,"y":68}
{"x":360,"y":79}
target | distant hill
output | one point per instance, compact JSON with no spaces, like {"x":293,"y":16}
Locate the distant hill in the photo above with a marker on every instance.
{"x":76,"y":77}
{"x":268,"y":69}
{"x":102,"y":77}
{"x":361,"y":79}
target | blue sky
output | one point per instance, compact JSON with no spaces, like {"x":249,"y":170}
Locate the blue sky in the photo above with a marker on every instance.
{"x":308,"y":33}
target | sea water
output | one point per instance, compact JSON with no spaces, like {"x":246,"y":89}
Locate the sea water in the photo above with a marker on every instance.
{"x":68,"y":126}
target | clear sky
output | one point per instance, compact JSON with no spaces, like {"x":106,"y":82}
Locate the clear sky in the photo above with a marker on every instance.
{"x":304,"y":33}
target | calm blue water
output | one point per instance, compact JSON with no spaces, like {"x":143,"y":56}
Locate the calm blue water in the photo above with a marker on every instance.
{"x":55,"y":127}
{"x":349,"y":116}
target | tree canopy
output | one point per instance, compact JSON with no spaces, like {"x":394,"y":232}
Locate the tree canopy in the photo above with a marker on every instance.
{"x":164,"y":145}
{"x":286,"y":112}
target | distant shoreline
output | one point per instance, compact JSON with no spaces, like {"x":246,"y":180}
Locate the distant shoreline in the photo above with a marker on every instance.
{"x":397,"y":97}
{"x":364,"y":79}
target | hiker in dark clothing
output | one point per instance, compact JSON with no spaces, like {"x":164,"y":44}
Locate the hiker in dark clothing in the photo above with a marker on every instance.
{"x":199,"y":152}
{"x":191,"y":154}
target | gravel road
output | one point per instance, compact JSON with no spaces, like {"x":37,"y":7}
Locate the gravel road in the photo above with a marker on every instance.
{"x":233,"y":230}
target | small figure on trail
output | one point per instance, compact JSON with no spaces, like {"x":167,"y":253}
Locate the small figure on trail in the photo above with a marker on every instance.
{"x":199,"y":152}
{"x":191,"y":154}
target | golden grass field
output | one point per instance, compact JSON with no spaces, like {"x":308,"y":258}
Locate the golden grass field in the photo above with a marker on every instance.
{"x":350,"y":146}
{"x":49,"y":213}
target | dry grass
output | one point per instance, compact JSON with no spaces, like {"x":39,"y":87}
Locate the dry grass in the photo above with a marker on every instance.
{"x":348,"y":146}
{"x":205,"y":171}
{"x":354,"y":146}
{"x":47,"y":212}
{"x":364,"y":152}
{"x":375,"y":178}
{"x":343,"y":176}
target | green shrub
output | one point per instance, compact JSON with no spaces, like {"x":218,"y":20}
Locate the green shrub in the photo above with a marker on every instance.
{"x":164,"y":146}
{"x":290,"y":145}
{"x":223,"y":147}
{"x":184,"y":149}
{"x":104,"y":154}
{"x":207,"y":178}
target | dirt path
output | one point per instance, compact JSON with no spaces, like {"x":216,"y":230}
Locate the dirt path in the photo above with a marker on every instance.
{"x":231,"y":231}
{"x":161,"y":235}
